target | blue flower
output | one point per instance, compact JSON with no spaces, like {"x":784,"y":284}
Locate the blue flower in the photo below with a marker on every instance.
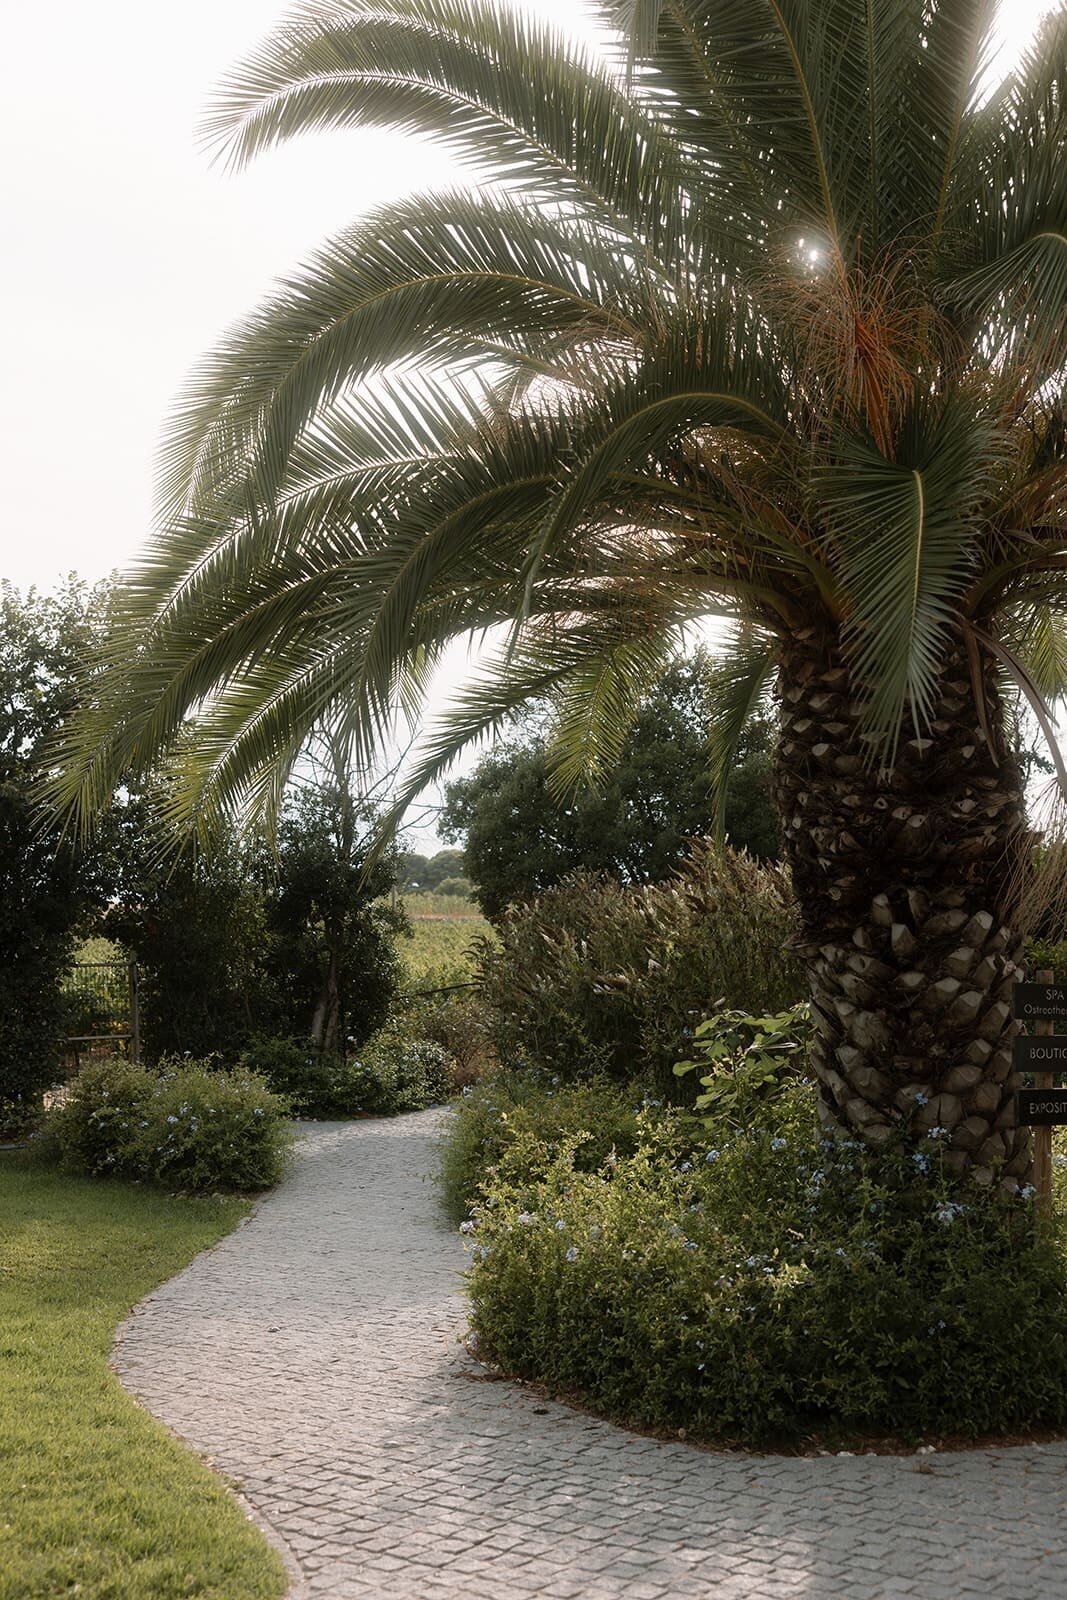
{"x":921,"y":1161}
{"x":572,"y":1253}
{"x":778,"y":1144}
{"x":560,"y":1225}
{"x":712,"y":1155}
{"x":922,"y":1099}
{"x":466,"y":1227}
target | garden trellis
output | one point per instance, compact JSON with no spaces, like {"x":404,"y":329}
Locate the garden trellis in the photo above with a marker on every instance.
{"x":102,"y":1006}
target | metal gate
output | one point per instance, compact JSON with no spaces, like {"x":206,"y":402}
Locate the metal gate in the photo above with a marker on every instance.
{"x":101,"y":998}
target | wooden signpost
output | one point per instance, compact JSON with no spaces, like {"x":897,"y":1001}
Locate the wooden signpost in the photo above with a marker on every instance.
{"x":1045,"y":1055}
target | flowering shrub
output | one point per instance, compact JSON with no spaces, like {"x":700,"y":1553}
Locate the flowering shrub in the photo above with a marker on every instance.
{"x":770,"y":1287}
{"x":97,"y":1126}
{"x":186,"y":1125}
{"x":399,"y":1074}
{"x":389,"y":1074}
{"x":529,"y":1115}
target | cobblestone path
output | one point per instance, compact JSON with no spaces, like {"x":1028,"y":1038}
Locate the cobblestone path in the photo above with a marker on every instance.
{"x":313,"y":1357}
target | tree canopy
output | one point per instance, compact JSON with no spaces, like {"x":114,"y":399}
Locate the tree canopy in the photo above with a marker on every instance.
{"x":637,"y":826}
{"x":46,"y":888}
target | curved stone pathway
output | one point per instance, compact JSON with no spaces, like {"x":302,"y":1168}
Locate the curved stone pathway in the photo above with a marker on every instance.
{"x":313,"y":1356}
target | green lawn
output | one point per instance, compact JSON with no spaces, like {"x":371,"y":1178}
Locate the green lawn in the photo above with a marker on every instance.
{"x":96,"y":1499}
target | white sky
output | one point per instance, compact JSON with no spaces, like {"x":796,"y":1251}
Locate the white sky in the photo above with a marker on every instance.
{"x":126,"y":253}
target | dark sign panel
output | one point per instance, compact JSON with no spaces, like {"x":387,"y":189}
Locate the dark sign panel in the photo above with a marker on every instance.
{"x":1041,"y":1055}
{"x":1039,"y":1001}
{"x":1037,"y":1108}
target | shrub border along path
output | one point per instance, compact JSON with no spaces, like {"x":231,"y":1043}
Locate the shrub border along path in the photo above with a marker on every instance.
{"x":315,"y":1357}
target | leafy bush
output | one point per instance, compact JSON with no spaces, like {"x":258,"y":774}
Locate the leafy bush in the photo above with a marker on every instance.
{"x":447,"y":1009}
{"x":391,"y":1073}
{"x":404,"y":1074}
{"x":187,"y":1125}
{"x":746,"y":1065}
{"x":98,"y":1126}
{"x":1048,"y":954}
{"x":771,"y":1288}
{"x":314,"y":1085}
{"x":531,"y":1115}
{"x":592,"y":977}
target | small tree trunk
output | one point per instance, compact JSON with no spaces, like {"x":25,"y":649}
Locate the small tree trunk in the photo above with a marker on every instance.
{"x":906,"y":883}
{"x":325,"y":1019}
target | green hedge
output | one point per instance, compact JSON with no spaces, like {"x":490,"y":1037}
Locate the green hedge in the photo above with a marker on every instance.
{"x":186,"y":1125}
{"x":769,"y":1288}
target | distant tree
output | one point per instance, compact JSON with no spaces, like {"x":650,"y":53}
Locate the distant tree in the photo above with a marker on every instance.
{"x":445,"y":864}
{"x":332,"y":938}
{"x":196,"y":923}
{"x":411,"y":869}
{"x":427,"y":873}
{"x":46,"y":889}
{"x":519,"y":840}
{"x":454,"y":887}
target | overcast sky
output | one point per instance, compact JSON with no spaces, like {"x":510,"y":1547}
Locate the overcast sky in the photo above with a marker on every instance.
{"x":127,"y":252}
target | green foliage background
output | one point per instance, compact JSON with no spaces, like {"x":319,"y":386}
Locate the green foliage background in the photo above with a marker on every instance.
{"x":520,"y":837}
{"x":47,"y":890}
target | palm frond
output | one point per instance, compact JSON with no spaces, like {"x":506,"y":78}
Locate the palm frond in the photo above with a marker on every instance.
{"x":907,"y":539}
{"x":596,"y":704}
{"x":736,"y":688}
{"x":517,"y":100}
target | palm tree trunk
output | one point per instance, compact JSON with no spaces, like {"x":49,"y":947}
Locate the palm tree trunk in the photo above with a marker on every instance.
{"x":906,"y":882}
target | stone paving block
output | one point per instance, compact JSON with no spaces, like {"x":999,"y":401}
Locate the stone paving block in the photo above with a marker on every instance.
{"x":362,"y":1433}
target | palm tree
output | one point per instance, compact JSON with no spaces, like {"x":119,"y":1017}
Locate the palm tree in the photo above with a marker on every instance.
{"x":761,"y":315}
